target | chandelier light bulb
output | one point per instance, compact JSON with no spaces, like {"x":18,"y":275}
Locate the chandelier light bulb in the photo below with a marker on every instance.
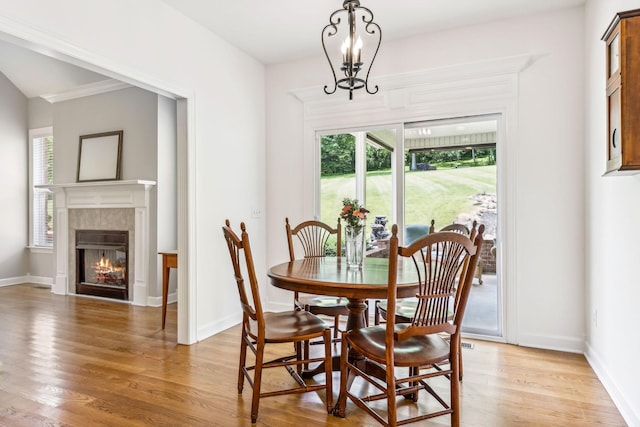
{"x":346,"y":44}
{"x":357,"y":48}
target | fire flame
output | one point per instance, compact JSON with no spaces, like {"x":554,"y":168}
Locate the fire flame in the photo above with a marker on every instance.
{"x":107,"y":273}
{"x":104,"y":263}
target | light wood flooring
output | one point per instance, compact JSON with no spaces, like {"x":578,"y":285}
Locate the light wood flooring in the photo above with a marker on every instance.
{"x":73,"y":361}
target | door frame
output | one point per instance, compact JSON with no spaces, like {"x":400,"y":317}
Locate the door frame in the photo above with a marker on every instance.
{"x":398,"y":186}
{"x":28,"y":38}
{"x":461,"y":90}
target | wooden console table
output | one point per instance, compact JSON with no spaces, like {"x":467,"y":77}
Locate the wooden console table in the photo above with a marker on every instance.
{"x":169,"y":261}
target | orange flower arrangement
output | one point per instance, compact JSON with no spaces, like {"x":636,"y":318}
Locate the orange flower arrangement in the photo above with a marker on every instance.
{"x":353,"y":213}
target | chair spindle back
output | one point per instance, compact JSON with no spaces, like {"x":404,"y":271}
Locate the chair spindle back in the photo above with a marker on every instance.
{"x":444,"y":262}
{"x":239,"y":247}
{"x":313,"y":237}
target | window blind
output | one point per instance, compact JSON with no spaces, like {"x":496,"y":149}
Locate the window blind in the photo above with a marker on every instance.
{"x":42,"y":215}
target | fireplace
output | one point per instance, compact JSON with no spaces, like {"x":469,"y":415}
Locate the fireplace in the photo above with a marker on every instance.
{"x":105,"y":205}
{"x":102,"y":263}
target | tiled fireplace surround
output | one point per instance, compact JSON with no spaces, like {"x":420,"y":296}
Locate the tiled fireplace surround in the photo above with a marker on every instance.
{"x":105,"y":205}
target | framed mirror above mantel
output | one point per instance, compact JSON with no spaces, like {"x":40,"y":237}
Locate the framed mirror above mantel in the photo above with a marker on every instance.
{"x":100,"y":156}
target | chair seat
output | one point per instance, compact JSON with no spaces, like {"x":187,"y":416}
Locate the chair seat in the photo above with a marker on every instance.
{"x":416,"y":351}
{"x":289,"y":326}
{"x":324,"y":301}
{"x":405,"y":309}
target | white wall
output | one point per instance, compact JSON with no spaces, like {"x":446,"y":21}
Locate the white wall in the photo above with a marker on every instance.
{"x":132,"y":110}
{"x":40,"y":113}
{"x":549,"y":141}
{"x":612,"y":209}
{"x":14,"y":223}
{"x":149,"y":42}
{"x":166,"y":190}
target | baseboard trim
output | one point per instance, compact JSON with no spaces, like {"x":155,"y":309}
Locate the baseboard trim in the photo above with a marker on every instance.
{"x":218,"y":326}
{"x":552,"y":342}
{"x":38,"y":280}
{"x":157,"y":301}
{"x":630,"y":415}
{"x":10,"y":281}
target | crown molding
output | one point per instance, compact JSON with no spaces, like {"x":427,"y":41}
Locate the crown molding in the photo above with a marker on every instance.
{"x":425,"y":91}
{"x":424,"y":78}
{"x":96,"y":88}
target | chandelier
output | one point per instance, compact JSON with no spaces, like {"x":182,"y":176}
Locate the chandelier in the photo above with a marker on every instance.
{"x":350,"y":53}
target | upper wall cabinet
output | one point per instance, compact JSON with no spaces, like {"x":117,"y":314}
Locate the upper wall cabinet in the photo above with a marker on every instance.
{"x":623,"y":93}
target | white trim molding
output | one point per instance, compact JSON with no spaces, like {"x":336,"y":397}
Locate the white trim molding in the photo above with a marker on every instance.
{"x":420,"y":90}
{"x":90,"y":89}
{"x":569,"y":344}
{"x":629,"y":410}
{"x":38,"y":280}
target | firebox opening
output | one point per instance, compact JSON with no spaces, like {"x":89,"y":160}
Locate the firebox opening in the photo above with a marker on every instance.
{"x":102,"y":263}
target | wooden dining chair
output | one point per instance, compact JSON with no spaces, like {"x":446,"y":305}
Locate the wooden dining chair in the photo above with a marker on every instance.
{"x":406,"y":308}
{"x":432,"y":338}
{"x":313,"y":238}
{"x":260,"y":328}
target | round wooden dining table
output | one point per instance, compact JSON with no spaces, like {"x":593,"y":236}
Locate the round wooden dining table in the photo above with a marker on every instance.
{"x":331,"y":276}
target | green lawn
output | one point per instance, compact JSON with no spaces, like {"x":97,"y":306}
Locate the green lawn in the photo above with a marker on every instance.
{"x":439,"y":194}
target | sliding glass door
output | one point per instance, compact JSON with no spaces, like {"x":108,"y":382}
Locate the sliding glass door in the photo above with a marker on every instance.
{"x":451,"y":177}
{"x":443,"y":171}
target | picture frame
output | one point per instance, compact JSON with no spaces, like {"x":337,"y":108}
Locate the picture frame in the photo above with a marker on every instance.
{"x":99,"y":156}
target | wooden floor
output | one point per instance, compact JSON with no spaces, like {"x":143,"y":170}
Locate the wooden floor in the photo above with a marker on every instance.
{"x":73,"y":361}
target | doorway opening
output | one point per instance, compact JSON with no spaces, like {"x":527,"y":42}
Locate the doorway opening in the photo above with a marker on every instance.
{"x":186,"y":332}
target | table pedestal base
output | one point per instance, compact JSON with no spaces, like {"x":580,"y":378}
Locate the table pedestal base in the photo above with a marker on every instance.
{"x":357,"y":308}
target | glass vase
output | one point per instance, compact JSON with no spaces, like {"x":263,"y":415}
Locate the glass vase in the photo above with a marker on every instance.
{"x":354,"y":237}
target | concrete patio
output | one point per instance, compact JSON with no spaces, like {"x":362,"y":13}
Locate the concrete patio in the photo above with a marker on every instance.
{"x":481,"y":316}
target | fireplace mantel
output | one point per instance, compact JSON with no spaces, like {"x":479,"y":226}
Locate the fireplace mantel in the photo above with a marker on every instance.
{"x":102,"y":194}
{"x":132,"y":194}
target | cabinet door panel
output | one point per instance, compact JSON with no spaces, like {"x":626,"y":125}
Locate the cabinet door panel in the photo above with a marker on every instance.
{"x":615,"y":131}
{"x":614,"y":56}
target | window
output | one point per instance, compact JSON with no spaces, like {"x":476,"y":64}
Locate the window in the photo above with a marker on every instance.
{"x":357,"y":165}
{"x":41,"y":173}
{"x":360,"y":164}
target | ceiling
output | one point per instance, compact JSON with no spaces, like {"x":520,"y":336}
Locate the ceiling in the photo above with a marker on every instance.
{"x":36,"y":75}
{"x":274,"y":31}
